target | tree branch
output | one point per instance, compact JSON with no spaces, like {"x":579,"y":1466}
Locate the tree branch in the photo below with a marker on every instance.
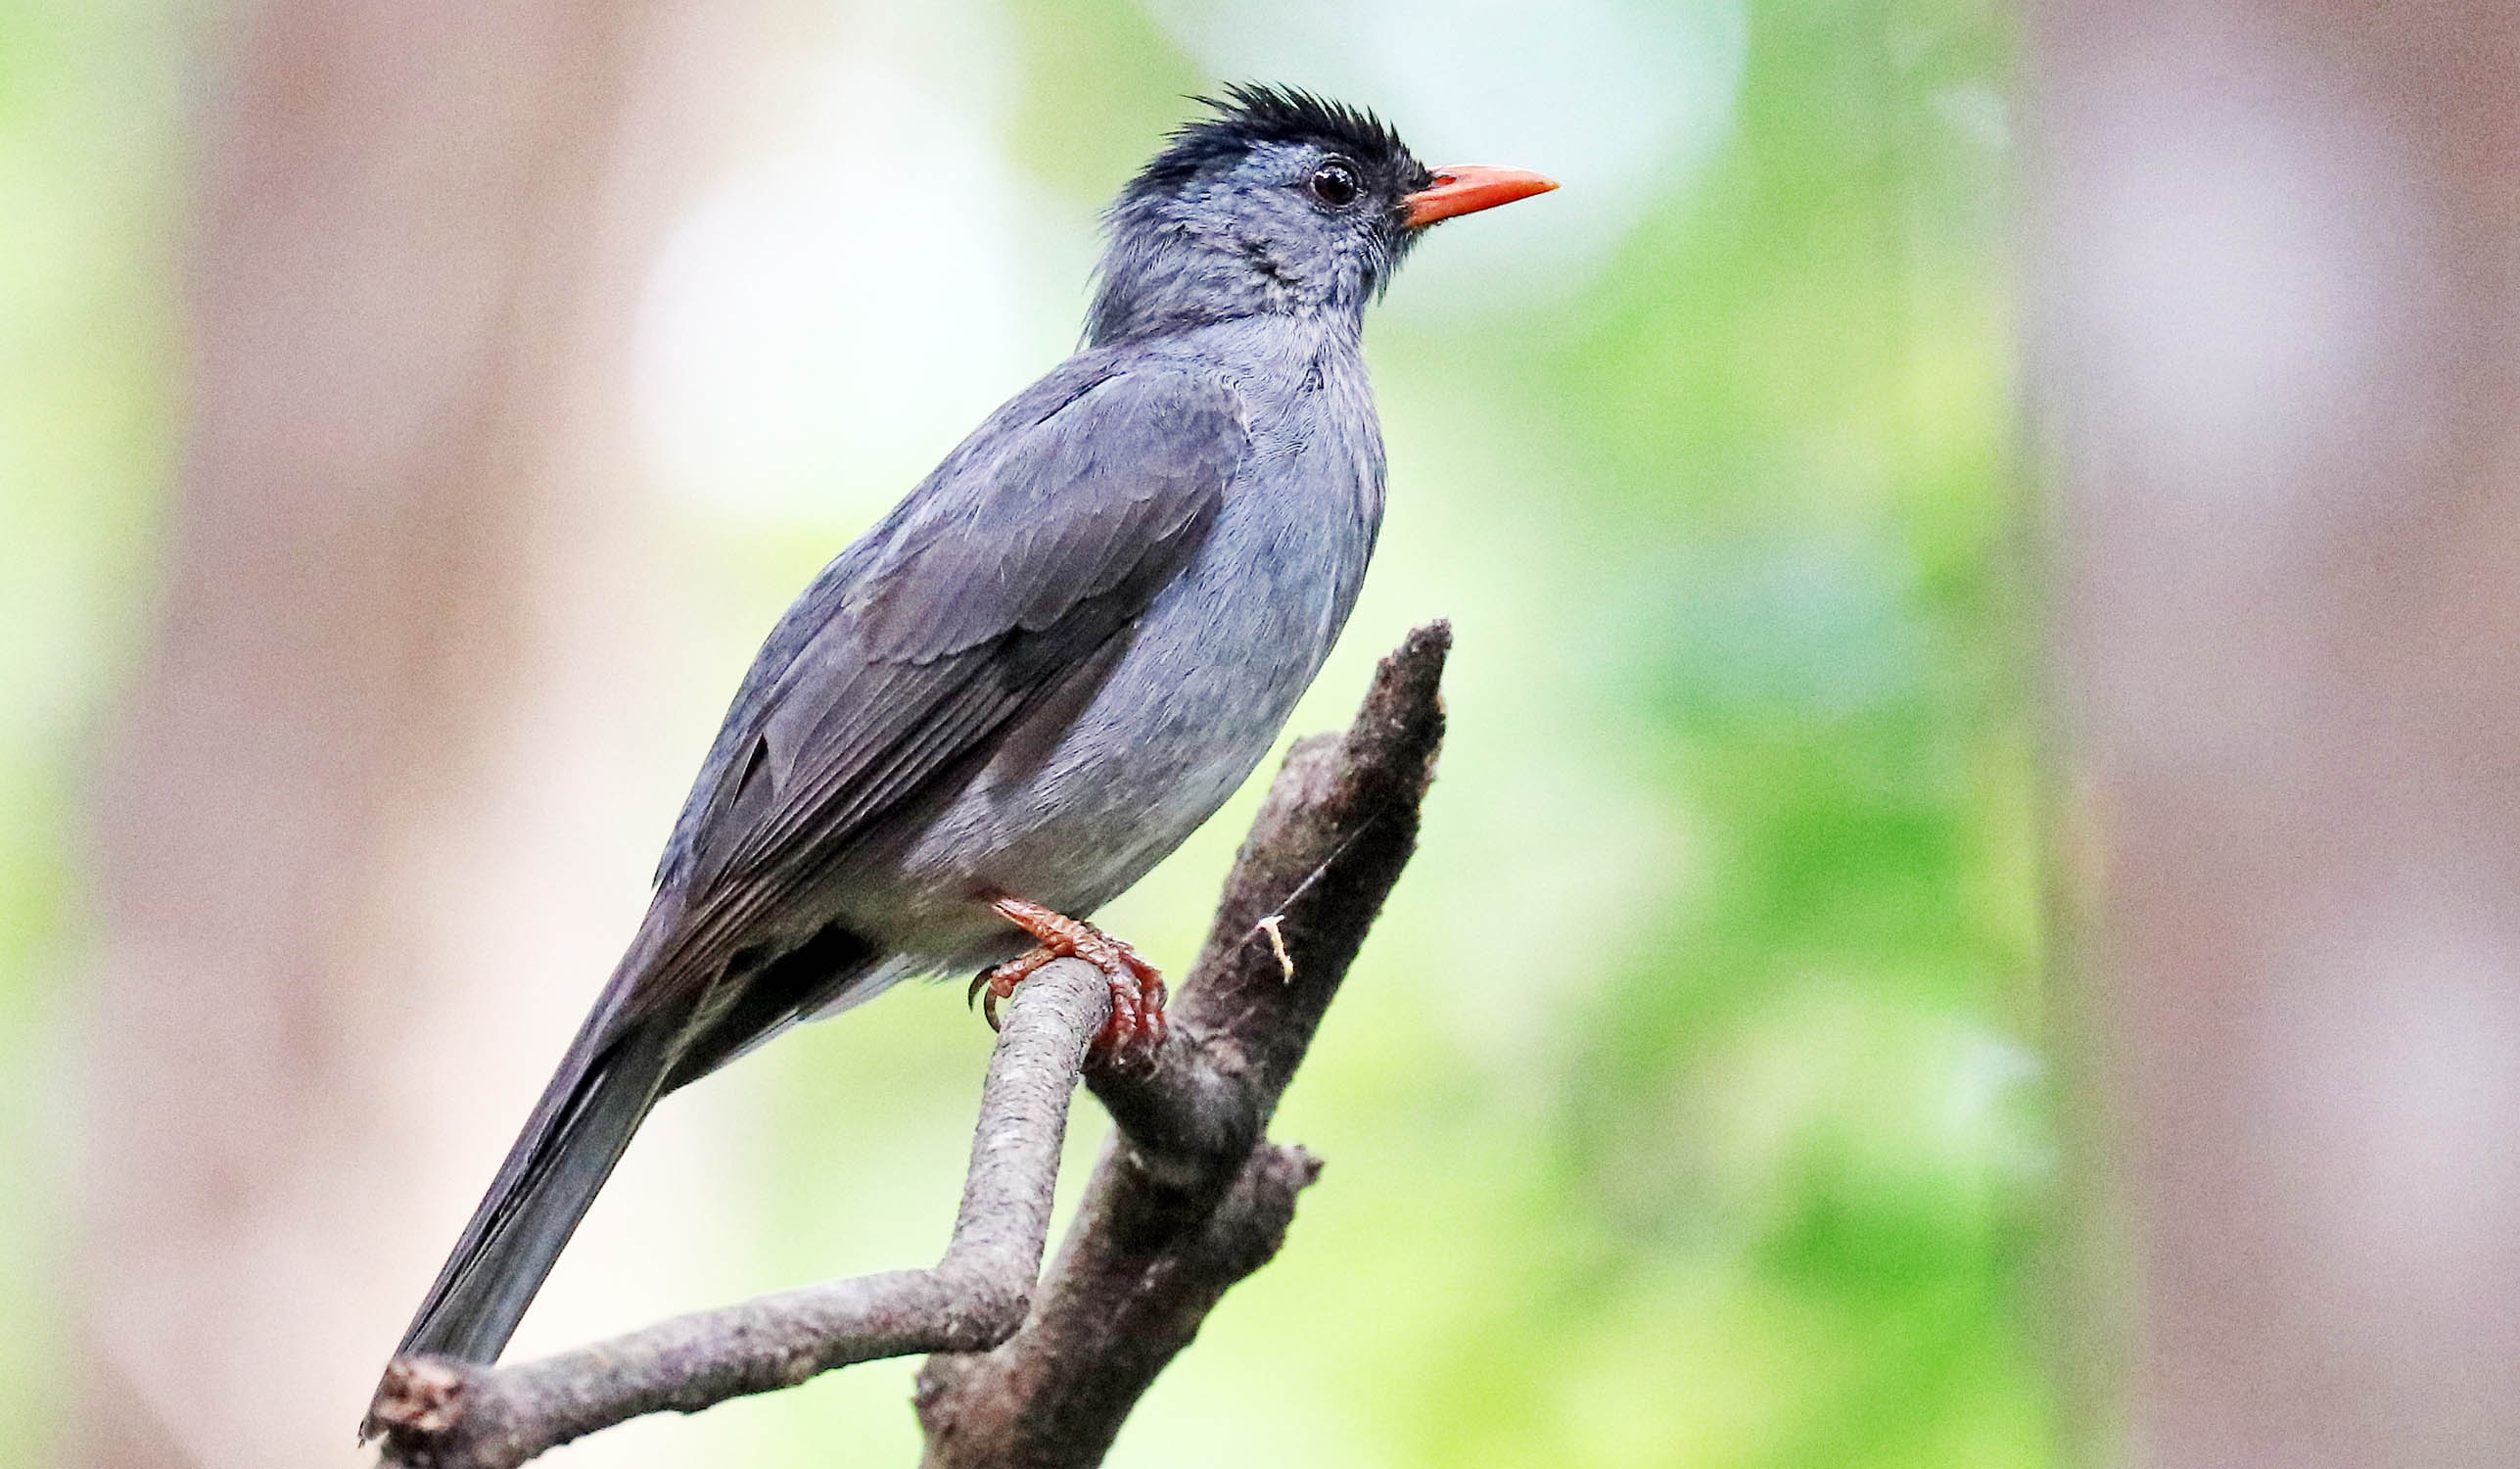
{"x":444,"y":1414}
{"x":1186,"y":1200}
{"x":1182,"y":1204}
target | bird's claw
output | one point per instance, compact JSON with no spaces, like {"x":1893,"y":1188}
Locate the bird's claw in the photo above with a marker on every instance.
{"x":997,"y":981}
{"x":1138,"y":1022}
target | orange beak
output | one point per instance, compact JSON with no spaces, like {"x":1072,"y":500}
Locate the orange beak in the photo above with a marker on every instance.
{"x":1468,"y":188}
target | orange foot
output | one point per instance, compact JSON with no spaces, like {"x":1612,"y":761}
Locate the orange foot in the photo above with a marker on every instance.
{"x":1137,"y":986}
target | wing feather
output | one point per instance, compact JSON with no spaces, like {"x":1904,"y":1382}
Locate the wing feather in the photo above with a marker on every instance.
{"x":1037,"y":543}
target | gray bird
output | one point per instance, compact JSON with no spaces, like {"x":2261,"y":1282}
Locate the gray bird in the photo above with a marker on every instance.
{"x":1036,"y":675}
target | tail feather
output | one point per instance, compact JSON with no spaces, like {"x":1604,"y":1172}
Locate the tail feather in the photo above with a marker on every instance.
{"x":577,"y":1132}
{"x":621,"y":1061}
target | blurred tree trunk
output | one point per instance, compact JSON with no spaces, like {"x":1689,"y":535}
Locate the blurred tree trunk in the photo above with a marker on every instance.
{"x":2275,"y":275}
{"x":402,"y":222}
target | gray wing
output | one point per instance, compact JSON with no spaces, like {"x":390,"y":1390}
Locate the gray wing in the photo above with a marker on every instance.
{"x":1030,"y":548}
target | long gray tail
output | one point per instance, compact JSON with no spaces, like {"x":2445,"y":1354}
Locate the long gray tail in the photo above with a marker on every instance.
{"x":576,"y":1133}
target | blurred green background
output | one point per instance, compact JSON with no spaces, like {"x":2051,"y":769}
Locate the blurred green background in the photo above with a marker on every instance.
{"x":1688,"y":1106}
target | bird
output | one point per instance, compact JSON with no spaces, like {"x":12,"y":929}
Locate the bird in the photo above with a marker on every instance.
{"x":1036,"y":676}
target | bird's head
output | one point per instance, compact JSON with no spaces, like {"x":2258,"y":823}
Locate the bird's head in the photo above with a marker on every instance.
{"x":1282,"y":202}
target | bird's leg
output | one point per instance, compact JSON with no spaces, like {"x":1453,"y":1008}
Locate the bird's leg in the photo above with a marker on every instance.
{"x":1137,"y":986}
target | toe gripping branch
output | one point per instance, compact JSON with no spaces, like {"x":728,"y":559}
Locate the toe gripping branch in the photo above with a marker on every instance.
{"x":1137,"y":1022}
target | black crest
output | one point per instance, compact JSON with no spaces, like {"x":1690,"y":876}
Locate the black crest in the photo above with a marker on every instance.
{"x":1252,"y":113}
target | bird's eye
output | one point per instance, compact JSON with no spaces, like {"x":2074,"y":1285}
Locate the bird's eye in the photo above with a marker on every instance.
{"x":1334,"y":185}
